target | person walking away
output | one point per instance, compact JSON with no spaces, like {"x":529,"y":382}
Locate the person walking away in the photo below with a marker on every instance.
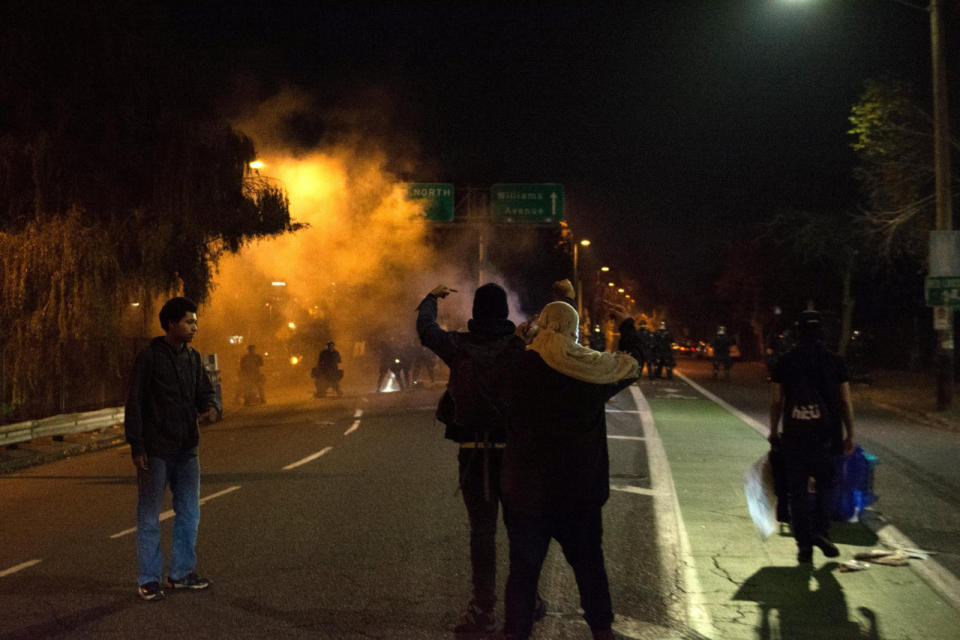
{"x":555,"y":475}
{"x":250,"y":377}
{"x":811,"y":392}
{"x":474,"y":418}
{"x":328,"y":372}
{"x":169,"y":392}
{"x":721,"y":352}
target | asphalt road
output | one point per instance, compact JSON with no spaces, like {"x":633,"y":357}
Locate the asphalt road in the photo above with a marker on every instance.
{"x":918,"y":478}
{"x":323,"y":519}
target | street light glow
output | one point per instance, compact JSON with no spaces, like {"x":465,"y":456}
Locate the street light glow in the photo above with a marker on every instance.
{"x":584,"y":243}
{"x":256,"y":164}
{"x":610,"y":284}
{"x":278,"y":283}
{"x":604,"y":269}
{"x":620,"y":290}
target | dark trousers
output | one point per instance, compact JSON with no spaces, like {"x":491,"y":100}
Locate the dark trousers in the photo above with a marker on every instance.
{"x":480,"y":486}
{"x":580,"y":536}
{"x":809,"y":511}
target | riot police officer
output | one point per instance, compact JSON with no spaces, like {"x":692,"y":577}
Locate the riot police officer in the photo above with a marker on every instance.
{"x":663,"y":351}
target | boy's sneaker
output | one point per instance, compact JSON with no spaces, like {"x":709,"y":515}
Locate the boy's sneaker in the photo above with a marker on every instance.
{"x":151,"y":591}
{"x":477,"y":620}
{"x":189,"y":581}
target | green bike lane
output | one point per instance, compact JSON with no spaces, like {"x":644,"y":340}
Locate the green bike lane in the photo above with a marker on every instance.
{"x":739,"y":586}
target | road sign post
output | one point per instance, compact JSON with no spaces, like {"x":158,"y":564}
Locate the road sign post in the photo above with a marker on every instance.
{"x":942,"y":291}
{"x":527,"y":203}
{"x":437,"y":198}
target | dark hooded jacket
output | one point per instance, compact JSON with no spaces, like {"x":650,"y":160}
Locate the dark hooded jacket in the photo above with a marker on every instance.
{"x":489,"y":341}
{"x":168,"y":390}
{"x":556,"y":460}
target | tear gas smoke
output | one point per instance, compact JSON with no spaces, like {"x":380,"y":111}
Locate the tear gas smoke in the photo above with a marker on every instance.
{"x":354,"y":274}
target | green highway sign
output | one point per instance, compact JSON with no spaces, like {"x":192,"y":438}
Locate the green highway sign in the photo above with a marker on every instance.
{"x":437,"y":197}
{"x":527,"y":203}
{"x":942,"y":291}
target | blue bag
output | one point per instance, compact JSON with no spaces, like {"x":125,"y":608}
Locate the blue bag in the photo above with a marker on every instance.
{"x":853,"y":484}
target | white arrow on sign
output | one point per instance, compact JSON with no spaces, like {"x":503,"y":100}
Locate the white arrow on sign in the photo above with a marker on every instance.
{"x":553,"y":204}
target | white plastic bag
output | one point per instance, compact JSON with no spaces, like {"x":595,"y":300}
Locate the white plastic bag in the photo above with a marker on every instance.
{"x":761,"y":498}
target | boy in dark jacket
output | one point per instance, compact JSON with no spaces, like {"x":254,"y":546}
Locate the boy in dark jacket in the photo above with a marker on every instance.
{"x":471,"y":410}
{"x":169,"y":392}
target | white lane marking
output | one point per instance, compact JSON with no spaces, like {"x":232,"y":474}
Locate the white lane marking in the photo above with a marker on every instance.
{"x":19,"y":567}
{"x":622,"y":411}
{"x":219,"y":493}
{"x":353,"y":427}
{"x":609,"y":437}
{"x":671,"y":529}
{"x":358,"y":413}
{"x":169,"y":513}
{"x":626,"y":488}
{"x":312,"y":456}
{"x":753,"y":424}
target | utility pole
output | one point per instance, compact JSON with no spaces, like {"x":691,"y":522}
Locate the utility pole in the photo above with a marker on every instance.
{"x":944,"y":219}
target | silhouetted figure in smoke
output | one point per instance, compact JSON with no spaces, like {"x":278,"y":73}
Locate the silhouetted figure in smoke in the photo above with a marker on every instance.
{"x":424,"y":362}
{"x":251,"y":380}
{"x":327,"y":373}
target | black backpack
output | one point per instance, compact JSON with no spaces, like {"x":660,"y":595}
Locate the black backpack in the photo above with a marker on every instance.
{"x":472,"y":404}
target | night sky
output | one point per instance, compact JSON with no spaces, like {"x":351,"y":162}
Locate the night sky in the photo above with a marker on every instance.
{"x":673,"y":125}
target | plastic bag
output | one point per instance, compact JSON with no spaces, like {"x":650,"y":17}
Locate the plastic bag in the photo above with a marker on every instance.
{"x":761,"y":497}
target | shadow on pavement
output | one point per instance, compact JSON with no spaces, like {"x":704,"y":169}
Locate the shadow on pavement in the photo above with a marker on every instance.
{"x":798,"y":602}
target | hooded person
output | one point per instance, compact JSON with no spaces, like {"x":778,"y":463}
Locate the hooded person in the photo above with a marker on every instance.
{"x":810,"y":391}
{"x":472,"y":410}
{"x":555,"y":475}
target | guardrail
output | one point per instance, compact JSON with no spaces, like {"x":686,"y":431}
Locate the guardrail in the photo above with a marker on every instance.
{"x":60,"y":425}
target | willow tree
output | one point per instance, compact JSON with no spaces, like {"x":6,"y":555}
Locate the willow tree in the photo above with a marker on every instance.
{"x":119,"y":182}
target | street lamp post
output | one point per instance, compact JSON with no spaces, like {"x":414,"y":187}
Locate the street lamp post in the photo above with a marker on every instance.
{"x":944,"y":219}
{"x":576,"y":273}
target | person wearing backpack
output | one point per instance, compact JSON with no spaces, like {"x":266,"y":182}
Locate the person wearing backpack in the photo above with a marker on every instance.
{"x":811,"y":393}
{"x":473,"y":414}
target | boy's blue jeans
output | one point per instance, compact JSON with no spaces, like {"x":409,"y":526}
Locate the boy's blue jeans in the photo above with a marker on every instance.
{"x":182,"y":473}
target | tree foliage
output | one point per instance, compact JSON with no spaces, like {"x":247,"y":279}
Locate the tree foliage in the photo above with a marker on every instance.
{"x":894,"y":144}
{"x":119,"y":180}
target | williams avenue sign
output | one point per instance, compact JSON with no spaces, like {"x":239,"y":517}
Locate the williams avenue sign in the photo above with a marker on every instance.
{"x":527,"y":203}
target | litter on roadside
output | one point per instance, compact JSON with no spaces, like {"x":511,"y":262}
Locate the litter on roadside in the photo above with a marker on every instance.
{"x":853,"y":565}
{"x":887,"y":557}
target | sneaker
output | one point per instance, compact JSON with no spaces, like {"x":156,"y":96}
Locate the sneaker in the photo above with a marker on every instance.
{"x":477,"y":620}
{"x":189,"y":581}
{"x":805,"y":555}
{"x":828,"y":548}
{"x":150,"y":591}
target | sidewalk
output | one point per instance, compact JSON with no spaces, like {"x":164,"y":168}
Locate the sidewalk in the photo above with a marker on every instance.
{"x":754,"y":589}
